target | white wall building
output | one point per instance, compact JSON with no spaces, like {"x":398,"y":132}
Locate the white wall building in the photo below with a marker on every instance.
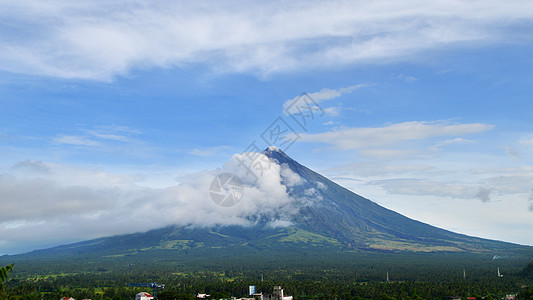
{"x":277,"y":294}
{"x":144,"y":296}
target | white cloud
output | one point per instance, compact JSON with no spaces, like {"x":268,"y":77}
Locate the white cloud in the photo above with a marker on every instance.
{"x":517,"y":181}
{"x":75,"y":140}
{"x":332,"y":111}
{"x":289,"y":177}
{"x":107,"y":136}
{"x":75,"y":204}
{"x":329,"y":123}
{"x":369,"y":169}
{"x":391,"y":135}
{"x":455,"y":141}
{"x":99,"y":137}
{"x":320,"y":96}
{"x":328,"y":94}
{"x":99,"y":39}
{"x":512,"y":153}
{"x":527,"y":143}
{"x":421,"y":187}
{"x":426,"y":187}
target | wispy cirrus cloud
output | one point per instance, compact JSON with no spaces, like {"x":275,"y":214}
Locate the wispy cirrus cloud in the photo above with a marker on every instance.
{"x":321,"y":96}
{"x":99,"y":40}
{"x":75,"y":140}
{"x":454,"y":141}
{"x":421,"y":187}
{"x":527,"y":142}
{"x":392,"y":134}
{"x":325,"y":94}
{"x":512,"y":153}
{"x":98,"y":136}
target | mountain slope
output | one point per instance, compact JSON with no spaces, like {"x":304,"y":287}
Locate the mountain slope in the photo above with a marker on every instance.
{"x":363,"y":224}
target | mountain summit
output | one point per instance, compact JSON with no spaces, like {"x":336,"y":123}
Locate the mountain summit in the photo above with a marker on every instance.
{"x":323,"y":215}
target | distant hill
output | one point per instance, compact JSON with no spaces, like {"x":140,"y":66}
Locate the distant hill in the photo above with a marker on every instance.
{"x":341,"y":221}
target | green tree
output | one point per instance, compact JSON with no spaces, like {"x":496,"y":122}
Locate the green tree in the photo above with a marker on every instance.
{"x":4,"y":273}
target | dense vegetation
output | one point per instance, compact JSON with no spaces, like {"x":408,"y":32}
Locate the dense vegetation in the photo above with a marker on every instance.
{"x":303,"y":275}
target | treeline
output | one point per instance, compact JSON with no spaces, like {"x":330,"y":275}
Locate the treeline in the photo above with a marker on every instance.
{"x":325,"y":276}
{"x":185,"y":286}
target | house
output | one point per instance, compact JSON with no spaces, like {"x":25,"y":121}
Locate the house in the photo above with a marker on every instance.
{"x":202,"y":296}
{"x":277,"y":294}
{"x":144,"y":296}
{"x":67,"y":298}
{"x":258,"y":296}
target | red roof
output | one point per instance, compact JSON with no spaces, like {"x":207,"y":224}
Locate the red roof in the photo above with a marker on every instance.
{"x":146,"y":294}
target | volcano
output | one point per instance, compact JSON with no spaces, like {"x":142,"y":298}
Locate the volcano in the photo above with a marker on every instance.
{"x":338,"y":220}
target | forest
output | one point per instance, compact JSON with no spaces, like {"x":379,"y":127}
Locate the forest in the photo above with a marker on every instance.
{"x":346,"y":277}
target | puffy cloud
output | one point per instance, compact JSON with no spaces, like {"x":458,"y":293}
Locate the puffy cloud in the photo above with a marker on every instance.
{"x":46,"y":203}
{"x":289,"y":177}
{"x":101,"y":39}
{"x":321,"y":186}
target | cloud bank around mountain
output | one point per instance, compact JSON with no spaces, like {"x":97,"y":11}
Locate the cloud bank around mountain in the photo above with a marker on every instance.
{"x":49,"y":203}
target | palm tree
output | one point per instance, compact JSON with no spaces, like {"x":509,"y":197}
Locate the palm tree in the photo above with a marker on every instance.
{"x":4,"y":272}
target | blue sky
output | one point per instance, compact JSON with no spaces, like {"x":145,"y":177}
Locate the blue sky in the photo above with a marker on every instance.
{"x":108,"y":108}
